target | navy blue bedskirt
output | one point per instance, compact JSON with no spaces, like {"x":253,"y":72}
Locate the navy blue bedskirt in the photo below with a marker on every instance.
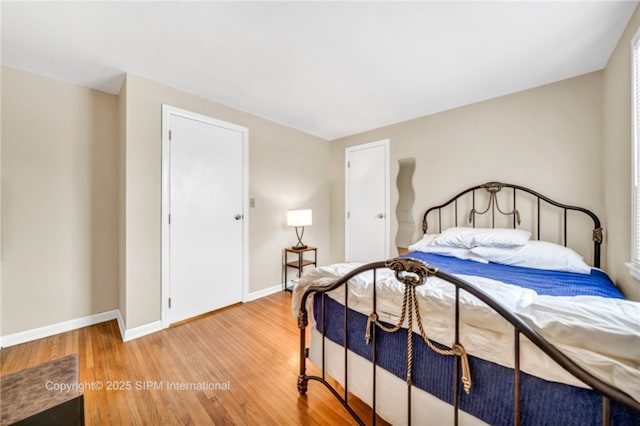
{"x":491,"y":398}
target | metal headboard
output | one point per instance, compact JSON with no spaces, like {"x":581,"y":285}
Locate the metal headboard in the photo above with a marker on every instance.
{"x":493,"y":207}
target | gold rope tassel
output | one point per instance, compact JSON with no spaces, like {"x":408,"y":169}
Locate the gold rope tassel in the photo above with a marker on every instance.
{"x":459,"y":350}
{"x":373,"y":318}
{"x":410,"y":301}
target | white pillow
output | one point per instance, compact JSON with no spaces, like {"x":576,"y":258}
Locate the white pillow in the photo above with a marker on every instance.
{"x":538,"y":255}
{"x":426,"y":241}
{"x":483,"y":237}
{"x":425,"y":245}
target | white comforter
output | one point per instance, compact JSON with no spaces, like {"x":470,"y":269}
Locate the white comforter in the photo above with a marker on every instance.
{"x":602,"y":335}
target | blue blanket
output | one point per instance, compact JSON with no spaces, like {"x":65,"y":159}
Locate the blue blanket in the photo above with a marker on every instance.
{"x":543,"y":282}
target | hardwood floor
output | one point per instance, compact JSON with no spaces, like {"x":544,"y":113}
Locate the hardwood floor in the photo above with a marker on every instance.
{"x":235,"y":367}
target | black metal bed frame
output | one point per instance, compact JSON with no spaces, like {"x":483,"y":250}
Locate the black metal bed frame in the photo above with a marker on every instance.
{"x":413,"y":273}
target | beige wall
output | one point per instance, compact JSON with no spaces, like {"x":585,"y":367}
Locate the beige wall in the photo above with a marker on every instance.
{"x":617,"y":160}
{"x":287,"y":169}
{"x":59,"y":201}
{"x":81,"y":198}
{"x":536,"y":138}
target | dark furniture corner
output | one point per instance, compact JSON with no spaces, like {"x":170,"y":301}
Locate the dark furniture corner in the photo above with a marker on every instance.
{"x":46,"y":394}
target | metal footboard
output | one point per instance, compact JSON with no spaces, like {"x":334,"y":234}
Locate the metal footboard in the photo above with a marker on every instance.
{"x":413,"y":273}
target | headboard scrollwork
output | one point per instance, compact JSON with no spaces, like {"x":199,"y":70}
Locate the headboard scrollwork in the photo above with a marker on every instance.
{"x":492,"y":189}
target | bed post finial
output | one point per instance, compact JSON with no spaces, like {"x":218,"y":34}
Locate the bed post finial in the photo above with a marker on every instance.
{"x":597,"y":235}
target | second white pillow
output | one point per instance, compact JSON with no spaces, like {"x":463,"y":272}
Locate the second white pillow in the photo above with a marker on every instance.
{"x":538,"y":255}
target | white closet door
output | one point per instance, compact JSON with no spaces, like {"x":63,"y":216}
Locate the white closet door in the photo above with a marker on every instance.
{"x":367,"y":202}
{"x":206,"y":172}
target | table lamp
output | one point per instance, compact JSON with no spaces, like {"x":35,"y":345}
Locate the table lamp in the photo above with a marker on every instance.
{"x":299,"y":219}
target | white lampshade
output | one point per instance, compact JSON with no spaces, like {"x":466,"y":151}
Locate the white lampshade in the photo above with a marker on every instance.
{"x":299,"y":217}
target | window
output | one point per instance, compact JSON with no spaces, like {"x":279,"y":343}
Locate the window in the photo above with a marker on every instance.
{"x":634,"y":265}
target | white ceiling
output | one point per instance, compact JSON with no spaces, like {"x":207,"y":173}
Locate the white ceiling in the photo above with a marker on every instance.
{"x":329,"y":69}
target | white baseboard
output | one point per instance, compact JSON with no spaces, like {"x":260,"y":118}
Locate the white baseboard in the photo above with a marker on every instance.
{"x":125,"y":334}
{"x":121,"y":326}
{"x":61,"y":327}
{"x":263,"y":293}
{"x":135,"y":332}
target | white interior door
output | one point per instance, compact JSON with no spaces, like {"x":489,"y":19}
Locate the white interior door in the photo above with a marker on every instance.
{"x":367,"y":202}
{"x":206,"y":179}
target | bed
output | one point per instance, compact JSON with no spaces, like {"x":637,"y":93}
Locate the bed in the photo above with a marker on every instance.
{"x":471,"y":327}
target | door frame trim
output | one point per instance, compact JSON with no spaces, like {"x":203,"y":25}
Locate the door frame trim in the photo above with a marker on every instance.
{"x":168,"y":110}
{"x":387,"y":196}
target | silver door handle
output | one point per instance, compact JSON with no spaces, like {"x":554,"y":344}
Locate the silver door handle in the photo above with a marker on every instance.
{"x":380,"y":216}
{"x":238,"y":217}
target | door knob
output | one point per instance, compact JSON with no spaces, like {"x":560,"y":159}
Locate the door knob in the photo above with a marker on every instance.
{"x":380,"y":216}
{"x":238,"y":217}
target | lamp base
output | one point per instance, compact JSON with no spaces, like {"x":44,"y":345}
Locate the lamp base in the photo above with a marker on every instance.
{"x":300,"y":245}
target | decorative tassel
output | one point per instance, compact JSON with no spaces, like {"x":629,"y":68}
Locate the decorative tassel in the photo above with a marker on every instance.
{"x":410,"y":307}
{"x":371,"y":321}
{"x":459,"y":350}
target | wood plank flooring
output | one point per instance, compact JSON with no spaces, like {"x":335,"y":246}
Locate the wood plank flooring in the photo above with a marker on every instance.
{"x":237,"y":366}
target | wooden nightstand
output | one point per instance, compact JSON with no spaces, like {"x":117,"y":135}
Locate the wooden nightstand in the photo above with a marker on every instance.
{"x":299,"y":263}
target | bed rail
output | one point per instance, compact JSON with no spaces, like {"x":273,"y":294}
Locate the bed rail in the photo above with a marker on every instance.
{"x":413,"y":273}
{"x":493,"y":208}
